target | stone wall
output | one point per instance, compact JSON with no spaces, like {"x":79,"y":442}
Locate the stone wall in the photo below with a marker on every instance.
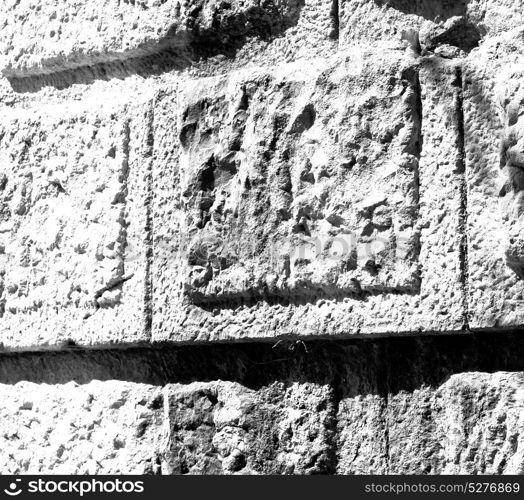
{"x":262,"y":237}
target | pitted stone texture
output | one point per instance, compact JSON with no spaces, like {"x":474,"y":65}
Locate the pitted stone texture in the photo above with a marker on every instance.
{"x":312,"y":32}
{"x":301,"y":202}
{"x":493,"y":443}
{"x":390,"y":22}
{"x":472,"y":424}
{"x":458,"y":23}
{"x":362,"y":440}
{"x":414,"y":405}
{"x":493,"y":108}
{"x":431,"y":405}
{"x":442,"y":187}
{"x":300,"y":185}
{"x":99,"y":428}
{"x":495,"y":16}
{"x":226,"y":428}
{"x":166,"y":214}
{"x":72,"y":224}
{"x":70,"y":35}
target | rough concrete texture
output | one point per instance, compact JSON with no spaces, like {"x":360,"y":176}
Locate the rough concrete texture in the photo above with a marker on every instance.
{"x":298,"y":175}
{"x":471,"y":424}
{"x":321,"y":196}
{"x":72,"y":35}
{"x":390,"y":21}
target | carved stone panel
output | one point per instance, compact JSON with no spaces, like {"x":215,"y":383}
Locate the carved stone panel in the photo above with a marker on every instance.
{"x":296,"y":190}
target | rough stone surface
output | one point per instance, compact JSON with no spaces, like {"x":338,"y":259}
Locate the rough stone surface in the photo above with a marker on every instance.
{"x":326,"y":198}
{"x":72,"y":35}
{"x":428,"y":409}
{"x":98,"y":428}
{"x":313,"y":217}
{"x":392,"y":21}
{"x":217,"y":428}
{"x":411,"y":406}
{"x":212,"y":213}
{"x":472,"y":424}
{"x":494,"y":166}
{"x":71,"y":227}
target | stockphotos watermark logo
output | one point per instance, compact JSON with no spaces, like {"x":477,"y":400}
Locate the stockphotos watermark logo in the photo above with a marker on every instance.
{"x":79,"y":487}
{"x":14,"y":488}
{"x":208,"y":248}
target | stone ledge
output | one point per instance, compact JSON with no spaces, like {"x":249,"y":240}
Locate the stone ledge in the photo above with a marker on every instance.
{"x":74,"y":36}
{"x":413,"y":406}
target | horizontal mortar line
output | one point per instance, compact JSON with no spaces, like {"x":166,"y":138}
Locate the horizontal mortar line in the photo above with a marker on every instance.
{"x":154,"y":63}
{"x":75,"y":62}
{"x":252,"y":363}
{"x":71,"y":346}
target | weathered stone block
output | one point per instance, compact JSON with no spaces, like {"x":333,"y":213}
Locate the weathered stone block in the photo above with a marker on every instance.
{"x":493,"y":17}
{"x":415,"y":405}
{"x":424,"y":406}
{"x":362,"y":438}
{"x":300,"y":204}
{"x":70,"y":35}
{"x":72,"y":223}
{"x":226,"y":428}
{"x":493,"y":110}
{"x":301,"y":186}
{"x":459,"y":24}
{"x":472,"y":424}
{"x":98,"y":428}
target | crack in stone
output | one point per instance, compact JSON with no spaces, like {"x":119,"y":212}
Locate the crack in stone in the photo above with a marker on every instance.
{"x":112,"y":285}
{"x":335,"y":22}
{"x":149,"y":229}
{"x":463,"y":211}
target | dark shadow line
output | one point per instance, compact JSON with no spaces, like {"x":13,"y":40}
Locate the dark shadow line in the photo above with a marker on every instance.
{"x":352,"y":367}
{"x":149,"y":226}
{"x":463,"y":209}
{"x":251,"y":298}
{"x":152,"y":65}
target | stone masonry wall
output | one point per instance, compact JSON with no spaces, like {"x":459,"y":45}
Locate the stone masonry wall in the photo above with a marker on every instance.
{"x":262,"y":236}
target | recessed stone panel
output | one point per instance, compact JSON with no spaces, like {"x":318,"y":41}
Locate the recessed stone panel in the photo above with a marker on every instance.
{"x":299,"y":186}
{"x":300,"y":208}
